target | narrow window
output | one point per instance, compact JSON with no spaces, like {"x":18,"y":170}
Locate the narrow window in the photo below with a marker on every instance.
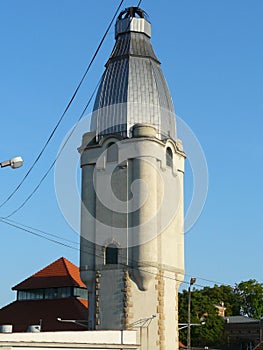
{"x":112,"y":152}
{"x":111,"y":254}
{"x":169,"y":157}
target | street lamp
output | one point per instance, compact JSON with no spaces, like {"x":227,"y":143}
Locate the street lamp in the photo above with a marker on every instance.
{"x":185,"y":325}
{"x":82,"y":323}
{"x":15,"y":163}
{"x":192,"y":281}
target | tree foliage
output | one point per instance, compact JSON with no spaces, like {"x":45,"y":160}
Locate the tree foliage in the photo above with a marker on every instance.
{"x":250,"y":295}
{"x":246,"y":299}
{"x":202,"y":310}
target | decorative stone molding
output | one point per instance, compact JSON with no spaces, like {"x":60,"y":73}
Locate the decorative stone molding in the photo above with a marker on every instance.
{"x":160,"y":309}
{"x":97,"y":299}
{"x":127,"y":300}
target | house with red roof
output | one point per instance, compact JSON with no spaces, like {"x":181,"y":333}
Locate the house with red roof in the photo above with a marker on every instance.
{"x":54,"y":292}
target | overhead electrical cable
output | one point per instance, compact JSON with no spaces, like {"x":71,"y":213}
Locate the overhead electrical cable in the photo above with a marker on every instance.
{"x":74,"y":248}
{"x":82,"y":114}
{"x":205,"y":279}
{"x":37,"y":234}
{"x":39,"y":231}
{"x":54,"y":162}
{"x":74,"y":242}
{"x":29,"y":229}
{"x":139,"y":3}
{"x":65,"y":110}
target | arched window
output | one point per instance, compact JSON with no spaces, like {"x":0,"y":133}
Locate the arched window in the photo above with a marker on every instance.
{"x":112,"y":152}
{"x":169,"y":157}
{"x":111,"y":254}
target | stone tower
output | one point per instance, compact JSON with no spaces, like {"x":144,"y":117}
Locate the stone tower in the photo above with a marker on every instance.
{"x":132,"y":241}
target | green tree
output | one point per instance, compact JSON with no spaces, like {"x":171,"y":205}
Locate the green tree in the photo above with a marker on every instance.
{"x":223,"y":294}
{"x":202,"y":310}
{"x":246,"y":299}
{"x":250,"y":294}
{"x":211,"y":333}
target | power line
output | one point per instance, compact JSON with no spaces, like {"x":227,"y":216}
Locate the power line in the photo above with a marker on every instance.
{"x":65,"y":110}
{"x":54,"y":162}
{"x":78,"y":249}
{"x":139,"y":3}
{"x":38,"y":230}
{"x":37,"y":234}
{"x":82,"y":114}
{"x":29,"y":229}
{"x":204,"y":279}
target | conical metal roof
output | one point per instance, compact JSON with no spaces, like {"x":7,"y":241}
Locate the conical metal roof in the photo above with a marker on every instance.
{"x":133,"y":89}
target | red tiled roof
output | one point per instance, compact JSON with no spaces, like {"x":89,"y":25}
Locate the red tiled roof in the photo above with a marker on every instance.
{"x":60,"y":273}
{"x":181,"y":345}
{"x":24,"y":313}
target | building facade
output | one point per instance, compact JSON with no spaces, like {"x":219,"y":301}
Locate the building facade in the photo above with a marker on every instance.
{"x":56,"y":291}
{"x":243,"y":333}
{"x":132,"y":218}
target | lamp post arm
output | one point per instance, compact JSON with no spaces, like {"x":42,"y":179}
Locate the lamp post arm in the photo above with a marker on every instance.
{"x":14,"y":163}
{"x":185,"y":325}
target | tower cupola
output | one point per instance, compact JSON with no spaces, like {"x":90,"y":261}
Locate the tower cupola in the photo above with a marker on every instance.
{"x":133,"y":89}
{"x":132,"y":19}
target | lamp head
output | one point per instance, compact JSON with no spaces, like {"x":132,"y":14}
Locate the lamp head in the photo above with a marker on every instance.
{"x":192,"y":281}
{"x":16,"y":162}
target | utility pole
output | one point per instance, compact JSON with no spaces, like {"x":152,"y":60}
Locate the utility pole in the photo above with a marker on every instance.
{"x":192,"y":281}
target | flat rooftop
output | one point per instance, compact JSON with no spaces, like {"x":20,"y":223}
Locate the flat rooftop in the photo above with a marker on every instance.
{"x":75,"y":339}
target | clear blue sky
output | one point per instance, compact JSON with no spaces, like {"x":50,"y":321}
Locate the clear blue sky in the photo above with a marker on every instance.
{"x":211,"y":54}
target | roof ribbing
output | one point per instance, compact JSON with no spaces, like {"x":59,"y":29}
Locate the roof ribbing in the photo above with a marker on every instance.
{"x":133,"y":89}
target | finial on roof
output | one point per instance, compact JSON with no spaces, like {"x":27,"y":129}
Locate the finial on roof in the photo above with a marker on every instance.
{"x":133,"y":19}
{"x":131,"y":12}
